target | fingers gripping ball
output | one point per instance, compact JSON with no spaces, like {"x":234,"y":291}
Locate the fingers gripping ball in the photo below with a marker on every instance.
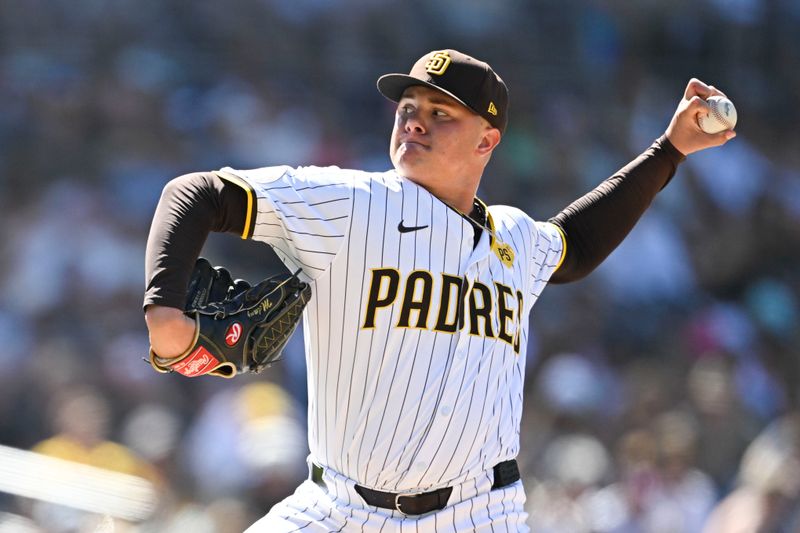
{"x":238,"y":328}
{"x":721,"y":115}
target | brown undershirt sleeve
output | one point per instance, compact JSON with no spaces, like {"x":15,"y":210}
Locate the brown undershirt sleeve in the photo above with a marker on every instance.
{"x":191,"y":206}
{"x":596,"y":223}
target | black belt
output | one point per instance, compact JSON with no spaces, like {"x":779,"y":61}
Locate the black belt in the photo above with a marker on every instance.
{"x":505,"y":474}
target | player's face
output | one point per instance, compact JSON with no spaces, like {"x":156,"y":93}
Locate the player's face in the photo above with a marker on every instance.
{"x":436,"y":141}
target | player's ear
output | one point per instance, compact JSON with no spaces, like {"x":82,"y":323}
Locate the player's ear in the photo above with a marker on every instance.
{"x":489,"y":139}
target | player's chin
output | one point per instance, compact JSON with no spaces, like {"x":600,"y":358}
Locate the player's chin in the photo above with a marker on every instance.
{"x":408,"y":168}
{"x":406,"y":162}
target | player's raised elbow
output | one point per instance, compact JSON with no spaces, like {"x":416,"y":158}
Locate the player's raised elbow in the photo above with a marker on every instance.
{"x":188,"y":184}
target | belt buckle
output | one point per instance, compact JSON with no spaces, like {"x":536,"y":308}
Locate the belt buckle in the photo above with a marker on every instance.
{"x":397,"y":502}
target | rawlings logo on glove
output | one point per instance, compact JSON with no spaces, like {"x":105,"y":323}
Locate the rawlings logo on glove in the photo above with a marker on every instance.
{"x":234,"y":334}
{"x":199,"y":362}
{"x":239,"y":328}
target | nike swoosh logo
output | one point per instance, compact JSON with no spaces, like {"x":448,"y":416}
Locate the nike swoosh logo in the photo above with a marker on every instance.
{"x":407,"y":229}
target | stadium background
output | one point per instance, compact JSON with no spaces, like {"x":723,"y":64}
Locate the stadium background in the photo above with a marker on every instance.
{"x":655,"y":388}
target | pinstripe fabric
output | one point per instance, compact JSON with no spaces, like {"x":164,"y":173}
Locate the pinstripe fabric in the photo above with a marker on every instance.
{"x":404,"y":396}
{"x":337,"y":507}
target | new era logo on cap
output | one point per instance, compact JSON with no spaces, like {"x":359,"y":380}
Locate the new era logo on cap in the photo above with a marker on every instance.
{"x":470,"y":81}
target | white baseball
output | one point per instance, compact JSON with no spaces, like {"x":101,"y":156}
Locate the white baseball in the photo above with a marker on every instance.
{"x":721,"y":115}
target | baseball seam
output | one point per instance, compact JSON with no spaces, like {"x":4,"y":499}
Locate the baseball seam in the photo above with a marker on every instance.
{"x":719,"y":116}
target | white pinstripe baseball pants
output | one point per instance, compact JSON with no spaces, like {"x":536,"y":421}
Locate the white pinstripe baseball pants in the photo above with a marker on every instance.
{"x":473,"y":506}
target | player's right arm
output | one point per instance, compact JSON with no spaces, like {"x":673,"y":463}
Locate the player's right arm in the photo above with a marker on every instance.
{"x":190,"y":207}
{"x":595,"y":224}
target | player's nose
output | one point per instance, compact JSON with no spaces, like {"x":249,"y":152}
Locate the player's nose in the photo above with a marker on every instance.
{"x":413,"y":124}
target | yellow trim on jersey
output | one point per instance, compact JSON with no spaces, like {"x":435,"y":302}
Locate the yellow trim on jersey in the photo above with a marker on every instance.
{"x":248,"y":189}
{"x":563,"y":246}
{"x":503,"y":251}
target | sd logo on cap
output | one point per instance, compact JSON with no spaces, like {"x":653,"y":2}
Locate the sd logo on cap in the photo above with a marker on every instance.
{"x":470,"y":81}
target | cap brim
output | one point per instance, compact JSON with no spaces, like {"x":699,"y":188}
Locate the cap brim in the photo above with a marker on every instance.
{"x":392,"y":86}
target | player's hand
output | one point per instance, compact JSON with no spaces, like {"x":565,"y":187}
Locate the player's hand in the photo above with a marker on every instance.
{"x":171,"y":331}
{"x":684,"y":131}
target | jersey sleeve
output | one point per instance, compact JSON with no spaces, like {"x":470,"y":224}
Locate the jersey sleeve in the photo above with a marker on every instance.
{"x":303,"y":213}
{"x":548,"y":252}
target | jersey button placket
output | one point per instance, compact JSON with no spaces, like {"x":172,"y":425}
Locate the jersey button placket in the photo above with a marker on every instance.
{"x":462,"y":343}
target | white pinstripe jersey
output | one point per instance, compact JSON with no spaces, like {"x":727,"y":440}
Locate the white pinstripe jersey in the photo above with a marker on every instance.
{"x":408,"y":390}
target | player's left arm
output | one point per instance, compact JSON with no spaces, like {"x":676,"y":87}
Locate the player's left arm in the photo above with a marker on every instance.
{"x":191,"y":207}
{"x":595,"y":224}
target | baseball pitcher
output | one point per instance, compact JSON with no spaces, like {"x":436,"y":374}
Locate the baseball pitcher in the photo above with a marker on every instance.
{"x":415,"y":294}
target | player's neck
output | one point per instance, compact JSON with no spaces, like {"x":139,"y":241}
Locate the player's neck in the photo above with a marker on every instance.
{"x":459,"y":199}
{"x":458,"y":193}
{"x":456,"y":188}
{"x":464,"y":207}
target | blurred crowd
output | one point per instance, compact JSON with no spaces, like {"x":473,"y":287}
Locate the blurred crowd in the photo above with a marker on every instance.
{"x":662,"y":391}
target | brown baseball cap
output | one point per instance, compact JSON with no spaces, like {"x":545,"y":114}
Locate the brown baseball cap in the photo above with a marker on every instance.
{"x":470,"y":81}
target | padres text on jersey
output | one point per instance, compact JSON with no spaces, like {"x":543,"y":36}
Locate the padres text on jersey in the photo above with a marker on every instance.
{"x":416,"y":343}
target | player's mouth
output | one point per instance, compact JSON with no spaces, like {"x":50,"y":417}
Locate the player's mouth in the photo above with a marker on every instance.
{"x":412,"y":144}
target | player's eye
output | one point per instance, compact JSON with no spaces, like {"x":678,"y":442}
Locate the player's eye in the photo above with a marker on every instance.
{"x":440,"y":113}
{"x":406,"y":109}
